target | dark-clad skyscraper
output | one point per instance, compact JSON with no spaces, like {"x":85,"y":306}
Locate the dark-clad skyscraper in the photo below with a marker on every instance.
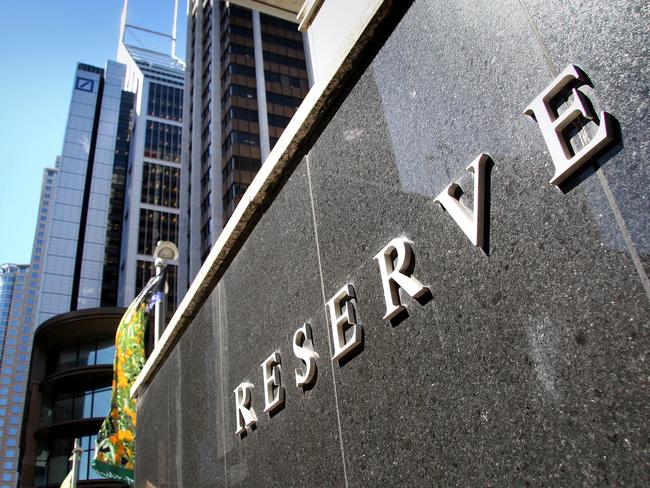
{"x":246,"y":75}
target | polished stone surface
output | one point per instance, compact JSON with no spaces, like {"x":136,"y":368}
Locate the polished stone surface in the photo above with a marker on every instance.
{"x":528,"y":364}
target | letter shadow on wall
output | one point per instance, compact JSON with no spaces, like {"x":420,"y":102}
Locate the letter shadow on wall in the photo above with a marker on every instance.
{"x":355,"y":352}
{"x":244,"y":432}
{"x":310,"y":386}
{"x":487,"y":223}
{"x":590,"y":169}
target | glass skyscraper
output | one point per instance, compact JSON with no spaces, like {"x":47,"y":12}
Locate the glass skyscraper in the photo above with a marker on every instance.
{"x":79,"y":267}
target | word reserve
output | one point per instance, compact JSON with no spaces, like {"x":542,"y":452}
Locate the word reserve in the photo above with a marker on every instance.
{"x":395,"y":258}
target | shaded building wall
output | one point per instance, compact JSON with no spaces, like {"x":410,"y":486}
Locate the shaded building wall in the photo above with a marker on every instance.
{"x":525,"y":366}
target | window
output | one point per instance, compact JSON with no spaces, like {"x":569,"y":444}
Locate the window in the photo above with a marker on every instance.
{"x":241,"y":114}
{"x":235,"y":90}
{"x":156,"y":226}
{"x":160,"y":185}
{"x":274,"y":77}
{"x":284,"y":60}
{"x":88,"y":354}
{"x":163,"y":141}
{"x":79,"y":405}
{"x":282,"y":41}
{"x":240,"y":137}
{"x":240,"y":163}
{"x":284,"y":100}
{"x":278,"y":120}
{"x":52,"y":460}
{"x":234,"y":48}
{"x":165,"y":102}
{"x":241,"y":70}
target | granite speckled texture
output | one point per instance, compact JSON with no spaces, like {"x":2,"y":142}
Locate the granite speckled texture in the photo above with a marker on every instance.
{"x":528,"y":366}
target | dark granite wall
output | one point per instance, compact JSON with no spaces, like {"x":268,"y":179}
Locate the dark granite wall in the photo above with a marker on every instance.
{"x":527,"y":367}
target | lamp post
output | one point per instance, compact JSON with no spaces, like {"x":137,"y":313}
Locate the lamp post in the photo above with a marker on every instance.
{"x":164,"y":252}
{"x":76,"y":455}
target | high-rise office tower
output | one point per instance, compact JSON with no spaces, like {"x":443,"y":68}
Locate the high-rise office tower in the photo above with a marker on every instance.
{"x":81,"y":261}
{"x":18,"y":301}
{"x":117,"y":191}
{"x":245,"y":77}
{"x":151,"y":211}
{"x":14,"y":284}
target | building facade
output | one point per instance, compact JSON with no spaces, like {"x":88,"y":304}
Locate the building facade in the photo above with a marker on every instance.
{"x":69,"y":395}
{"x":81,"y":258}
{"x":439,"y":277}
{"x":246,"y":75}
{"x":151,"y":212}
{"x":15,"y":319}
{"x":19,"y":286}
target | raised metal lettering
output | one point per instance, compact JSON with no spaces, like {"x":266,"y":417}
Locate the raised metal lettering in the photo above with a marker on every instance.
{"x":472,"y":223}
{"x":245,"y":414}
{"x":393,"y":276}
{"x":307,"y":355}
{"x":342,"y":318}
{"x":273,"y":389}
{"x":553,"y":126}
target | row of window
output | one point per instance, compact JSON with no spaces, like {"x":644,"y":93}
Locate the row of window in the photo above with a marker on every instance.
{"x":284,"y":100}
{"x":239,"y":137}
{"x":163,"y":141}
{"x":53,"y":465}
{"x":234,"y":48}
{"x":62,"y":407}
{"x":241,"y":70}
{"x":286,"y":80}
{"x":87,"y":354}
{"x":235,"y":190}
{"x":238,"y":30}
{"x":284,"y":60}
{"x":278,"y":120}
{"x":160,"y":185}
{"x":156,"y":226}
{"x":240,"y":163}
{"x":165,"y":102}
{"x":235,"y":90}
{"x":238,"y":113}
{"x":282,"y":41}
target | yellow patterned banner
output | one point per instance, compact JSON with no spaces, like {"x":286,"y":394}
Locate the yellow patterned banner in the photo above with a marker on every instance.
{"x":115,"y":450}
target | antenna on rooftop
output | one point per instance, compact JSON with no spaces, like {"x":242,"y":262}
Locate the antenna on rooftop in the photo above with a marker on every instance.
{"x":149,"y":39}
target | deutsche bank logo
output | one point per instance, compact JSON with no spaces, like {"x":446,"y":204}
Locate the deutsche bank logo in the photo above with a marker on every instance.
{"x":85,"y":84}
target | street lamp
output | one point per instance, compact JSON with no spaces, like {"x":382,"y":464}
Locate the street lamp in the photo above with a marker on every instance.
{"x":165,"y":251}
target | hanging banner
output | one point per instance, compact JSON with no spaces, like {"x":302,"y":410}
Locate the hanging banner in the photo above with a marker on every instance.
{"x":115,"y":448}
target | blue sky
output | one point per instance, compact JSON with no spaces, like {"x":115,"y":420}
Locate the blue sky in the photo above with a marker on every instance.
{"x":43,"y":41}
